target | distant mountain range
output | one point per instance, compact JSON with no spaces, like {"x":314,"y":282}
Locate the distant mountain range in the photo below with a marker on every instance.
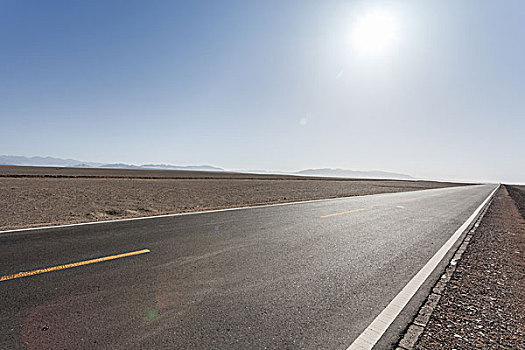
{"x":72,"y":163}
{"x":325,"y":172}
{"x":42,"y":161}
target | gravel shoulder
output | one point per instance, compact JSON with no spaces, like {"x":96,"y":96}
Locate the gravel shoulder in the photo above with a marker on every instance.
{"x":483,"y":305}
{"x":32,"y":196}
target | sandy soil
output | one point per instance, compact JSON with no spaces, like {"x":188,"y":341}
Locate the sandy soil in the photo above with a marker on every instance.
{"x":483,"y":306}
{"x":41,"y":196}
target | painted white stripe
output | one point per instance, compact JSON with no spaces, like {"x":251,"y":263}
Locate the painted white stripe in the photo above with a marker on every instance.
{"x":226,"y":209}
{"x":371,"y":335}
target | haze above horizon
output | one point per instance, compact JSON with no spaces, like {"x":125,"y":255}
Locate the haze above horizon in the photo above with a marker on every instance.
{"x":430,"y":89}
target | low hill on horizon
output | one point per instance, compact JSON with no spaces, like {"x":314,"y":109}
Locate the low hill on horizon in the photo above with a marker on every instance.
{"x":372,"y":174}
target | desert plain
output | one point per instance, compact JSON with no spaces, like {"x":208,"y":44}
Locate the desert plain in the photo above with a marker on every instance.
{"x":38,"y":196}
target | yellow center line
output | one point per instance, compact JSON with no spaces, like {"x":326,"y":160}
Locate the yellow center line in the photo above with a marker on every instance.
{"x":409,"y":200}
{"x":415,"y":199}
{"x":343,"y":212}
{"x":71,"y":265}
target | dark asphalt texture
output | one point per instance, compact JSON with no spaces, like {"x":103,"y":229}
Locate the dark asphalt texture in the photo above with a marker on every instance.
{"x":276,"y":277}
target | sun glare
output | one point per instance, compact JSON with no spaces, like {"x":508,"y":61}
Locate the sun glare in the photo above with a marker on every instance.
{"x":374,"y":32}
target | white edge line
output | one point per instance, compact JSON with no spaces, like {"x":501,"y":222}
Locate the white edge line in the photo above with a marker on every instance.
{"x":376,"y":329}
{"x":218,"y":210}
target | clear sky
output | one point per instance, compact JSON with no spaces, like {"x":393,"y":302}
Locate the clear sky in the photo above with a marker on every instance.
{"x":434,"y":89}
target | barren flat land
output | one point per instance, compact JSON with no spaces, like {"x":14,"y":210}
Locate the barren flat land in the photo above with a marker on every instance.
{"x":36,"y":196}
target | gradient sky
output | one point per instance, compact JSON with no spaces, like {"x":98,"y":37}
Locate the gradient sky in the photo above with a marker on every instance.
{"x":267,"y":85}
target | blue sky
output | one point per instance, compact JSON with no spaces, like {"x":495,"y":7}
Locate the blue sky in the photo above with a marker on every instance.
{"x":267,"y":85}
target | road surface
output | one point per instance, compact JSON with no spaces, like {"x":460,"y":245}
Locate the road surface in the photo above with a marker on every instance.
{"x":309,"y":275}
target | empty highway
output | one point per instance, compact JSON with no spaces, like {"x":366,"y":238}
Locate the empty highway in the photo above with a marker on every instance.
{"x":309,"y":275}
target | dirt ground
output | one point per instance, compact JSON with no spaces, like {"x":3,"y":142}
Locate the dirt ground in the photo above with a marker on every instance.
{"x":518,"y":195}
{"x":483,"y":306}
{"x":35,"y":171}
{"x":33,"y":196}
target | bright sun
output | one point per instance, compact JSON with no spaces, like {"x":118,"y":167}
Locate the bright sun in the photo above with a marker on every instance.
{"x":374,"y":32}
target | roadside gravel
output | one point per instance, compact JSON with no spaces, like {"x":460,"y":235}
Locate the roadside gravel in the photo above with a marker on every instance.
{"x":483,"y":305}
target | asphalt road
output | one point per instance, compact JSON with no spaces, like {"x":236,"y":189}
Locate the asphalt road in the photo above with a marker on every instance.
{"x":309,"y":275}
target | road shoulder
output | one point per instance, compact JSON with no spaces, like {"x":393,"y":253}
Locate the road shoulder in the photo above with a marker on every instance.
{"x":478,"y":302}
